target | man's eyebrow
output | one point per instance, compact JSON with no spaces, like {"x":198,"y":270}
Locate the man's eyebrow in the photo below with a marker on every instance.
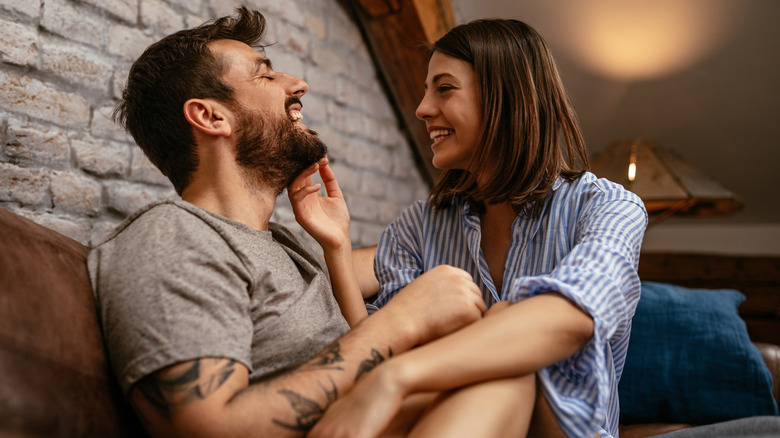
{"x":260,"y":62}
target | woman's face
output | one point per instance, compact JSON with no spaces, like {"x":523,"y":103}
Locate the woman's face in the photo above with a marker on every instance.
{"x":451,"y":111}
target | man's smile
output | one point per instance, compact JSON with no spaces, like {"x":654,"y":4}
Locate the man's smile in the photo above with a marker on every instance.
{"x":294,"y":107}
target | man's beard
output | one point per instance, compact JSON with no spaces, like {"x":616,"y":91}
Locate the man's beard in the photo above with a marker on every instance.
{"x":272,"y":151}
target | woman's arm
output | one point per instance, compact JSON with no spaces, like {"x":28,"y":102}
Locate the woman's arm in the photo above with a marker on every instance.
{"x":363,"y":261}
{"x":516,"y":341}
{"x":326,"y":218}
{"x":521,"y":339}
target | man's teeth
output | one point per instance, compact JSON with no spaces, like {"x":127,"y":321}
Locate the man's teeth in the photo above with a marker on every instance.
{"x":440,"y":133}
{"x":296,"y":116}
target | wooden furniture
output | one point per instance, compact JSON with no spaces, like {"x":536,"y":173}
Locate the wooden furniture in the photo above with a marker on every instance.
{"x":758,"y":278}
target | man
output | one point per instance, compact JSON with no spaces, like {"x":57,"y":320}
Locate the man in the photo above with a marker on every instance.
{"x":217,"y":322}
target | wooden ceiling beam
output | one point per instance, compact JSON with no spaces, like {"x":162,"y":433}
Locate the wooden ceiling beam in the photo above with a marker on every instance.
{"x":397,"y":33}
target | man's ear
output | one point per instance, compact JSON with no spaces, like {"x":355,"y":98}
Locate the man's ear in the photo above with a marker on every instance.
{"x":208,"y":116}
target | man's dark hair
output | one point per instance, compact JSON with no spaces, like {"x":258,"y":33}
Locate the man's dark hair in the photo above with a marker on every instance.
{"x":171,"y":71}
{"x":530,"y":135}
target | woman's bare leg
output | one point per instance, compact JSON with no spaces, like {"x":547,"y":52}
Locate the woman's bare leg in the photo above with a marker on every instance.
{"x":513,"y":407}
{"x":413,"y":407}
{"x":497,"y":408}
{"x":543,"y":422}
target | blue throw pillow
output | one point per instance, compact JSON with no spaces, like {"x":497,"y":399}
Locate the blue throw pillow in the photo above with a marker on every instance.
{"x":690,"y":360}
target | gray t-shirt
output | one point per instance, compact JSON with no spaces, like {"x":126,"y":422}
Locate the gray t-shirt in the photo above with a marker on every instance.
{"x":176,"y":282}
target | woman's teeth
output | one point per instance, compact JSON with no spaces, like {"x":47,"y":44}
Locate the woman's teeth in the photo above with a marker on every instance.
{"x":439,"y":133}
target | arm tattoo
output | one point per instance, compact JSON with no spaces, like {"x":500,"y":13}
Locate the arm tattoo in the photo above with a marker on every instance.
{"x":369,"y":364}
{"x":309,"y":411}
{"x":327,"y":359}
{"x":201,"y":379}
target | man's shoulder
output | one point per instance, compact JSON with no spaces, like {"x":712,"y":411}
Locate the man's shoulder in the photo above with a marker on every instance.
{"x":163,"y":242}
{"x":160,"y":231}
{"x":155,"y":216}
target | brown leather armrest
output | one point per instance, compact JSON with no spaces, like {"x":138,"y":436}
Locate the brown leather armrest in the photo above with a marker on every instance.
{"x":54,"y":373}
{"x":771,"y":353}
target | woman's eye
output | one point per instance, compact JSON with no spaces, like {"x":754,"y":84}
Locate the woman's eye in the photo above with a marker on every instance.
{"x":444,"y":88}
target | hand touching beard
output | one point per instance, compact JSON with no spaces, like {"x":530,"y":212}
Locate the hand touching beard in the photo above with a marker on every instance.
{"x":273,"y":150}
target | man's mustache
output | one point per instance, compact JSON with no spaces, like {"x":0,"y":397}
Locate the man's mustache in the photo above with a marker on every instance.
{"x":291,"y":100}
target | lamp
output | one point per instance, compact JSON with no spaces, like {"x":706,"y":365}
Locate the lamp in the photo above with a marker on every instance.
{"x":666,"y":184}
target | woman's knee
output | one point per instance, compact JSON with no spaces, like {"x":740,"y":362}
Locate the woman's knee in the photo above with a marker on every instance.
{"x":462,"y":412}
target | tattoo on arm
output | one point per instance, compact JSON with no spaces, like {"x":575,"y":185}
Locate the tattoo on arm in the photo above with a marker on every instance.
{"x":198,"y":381}
{"x":369,"y":364}
{"x":308,"y":411}
{"x":327,"y":359}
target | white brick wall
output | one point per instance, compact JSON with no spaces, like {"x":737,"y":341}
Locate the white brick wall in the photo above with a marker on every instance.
{"x":18,"y":42}
{"x":66,"y":165}
{"x":74,"y":22}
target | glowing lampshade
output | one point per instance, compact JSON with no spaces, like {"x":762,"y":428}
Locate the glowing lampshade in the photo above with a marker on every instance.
{"x":666,"y":184}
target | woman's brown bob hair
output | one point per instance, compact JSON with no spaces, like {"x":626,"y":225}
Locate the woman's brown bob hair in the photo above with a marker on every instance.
{"x":530,"y":135}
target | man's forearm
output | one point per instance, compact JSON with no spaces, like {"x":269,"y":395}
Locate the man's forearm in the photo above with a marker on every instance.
{"x":211,"y":397}
{"x":300,"y":397}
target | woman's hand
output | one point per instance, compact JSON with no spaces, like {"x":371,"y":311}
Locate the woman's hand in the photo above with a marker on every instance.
{"x":326,"y":218}
{"x":495,"y":308}
{"x":365,"y":411}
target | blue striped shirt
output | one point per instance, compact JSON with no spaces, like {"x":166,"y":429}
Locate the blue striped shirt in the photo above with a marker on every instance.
{"x":585,"y":246}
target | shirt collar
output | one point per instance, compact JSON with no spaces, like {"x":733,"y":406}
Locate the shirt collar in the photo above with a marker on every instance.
{"x":467,"y":211}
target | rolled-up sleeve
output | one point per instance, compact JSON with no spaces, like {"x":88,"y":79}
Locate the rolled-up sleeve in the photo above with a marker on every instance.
{"x":599,"y":275}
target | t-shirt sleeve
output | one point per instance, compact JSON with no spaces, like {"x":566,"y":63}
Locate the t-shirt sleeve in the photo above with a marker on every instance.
{"x":600,"y":276}
{"x":398,"y":259}
{"x":169,"y":289}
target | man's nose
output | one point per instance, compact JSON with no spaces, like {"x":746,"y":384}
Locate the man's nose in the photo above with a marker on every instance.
{"x":297,"y":87}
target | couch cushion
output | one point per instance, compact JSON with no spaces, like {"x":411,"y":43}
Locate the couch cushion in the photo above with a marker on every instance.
{"x":54,"y":376}
{"x":690,"y":360}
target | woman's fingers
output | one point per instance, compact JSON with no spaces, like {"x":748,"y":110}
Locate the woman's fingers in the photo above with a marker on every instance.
{"x":304,"y":178}
{"x":302,"y":185}
{"x":305,"y":191}
{"x":329,"y":179}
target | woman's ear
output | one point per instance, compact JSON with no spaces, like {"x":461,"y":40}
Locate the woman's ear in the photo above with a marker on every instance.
{"x":208,"y":116}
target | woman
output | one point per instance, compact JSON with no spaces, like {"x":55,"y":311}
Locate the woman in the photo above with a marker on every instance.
{"x":554,"y":246}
